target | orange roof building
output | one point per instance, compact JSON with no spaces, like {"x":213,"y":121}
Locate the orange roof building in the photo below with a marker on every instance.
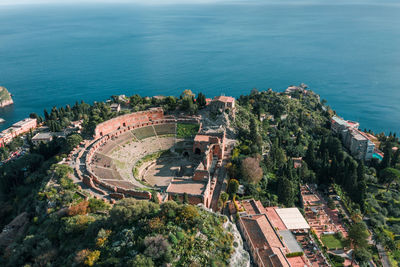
{"x":264,"y":243}
{"x":267,"y":236}
{"x":222,"y":103}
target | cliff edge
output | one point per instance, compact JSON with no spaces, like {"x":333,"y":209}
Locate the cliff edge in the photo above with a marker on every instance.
{"x":5,"y":97}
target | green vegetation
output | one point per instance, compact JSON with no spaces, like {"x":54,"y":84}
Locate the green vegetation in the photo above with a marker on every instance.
{"x":295,"y":254}
{"x":273,"y":129}
{"x":4,"y":94}
{"x":67,"y":227}
{"x":276,"y":128}
{"x":6,"y":150}
{"x":186,"y":130}
{"x":332,"y":242}
{"x":336,"y":260}
{"x":67,"y":230}
{"x":59,"y":118}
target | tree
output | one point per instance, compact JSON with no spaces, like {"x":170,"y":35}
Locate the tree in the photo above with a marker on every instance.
{"x":224,"y":198}
{"x":157,"y":247}
{"x":286,"y":191}
{"x":389,"y":175}
{"x":188,"y":214}
{"x":361,"y":186}
{"x":129,"y":210}
{"x":170,"y":102}
{"x":92,"y":257}
{"x":187,"y":93}
{"x":176,"y":198}
{"x":201,"y":100}
{"x":141,"y":260}
{"x":251,"y":170}
{"x":387,"y":157}
{"x":73,"y":141}
{"x":358,"y":236}
{"x":233,"y":187}
{"x":362,"y":255}
{"x":188,"y":105}
{"x":253,"y":130}
{"x":310,"y":156}
{"x":185,"y":198}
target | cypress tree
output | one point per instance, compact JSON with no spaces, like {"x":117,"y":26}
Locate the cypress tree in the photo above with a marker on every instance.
{"x":387,"y":158}
{"x":285,"y":191}
{"x":310,"y":156}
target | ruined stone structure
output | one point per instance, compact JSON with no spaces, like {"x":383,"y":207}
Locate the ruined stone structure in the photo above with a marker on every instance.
{"x":222,"y":103}
{"x":199,"y":189}
{"x":145,"y":130}
{"x":137,"y":119}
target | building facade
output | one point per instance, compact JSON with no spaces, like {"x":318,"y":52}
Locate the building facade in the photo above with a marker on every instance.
{"x":357,"y":142}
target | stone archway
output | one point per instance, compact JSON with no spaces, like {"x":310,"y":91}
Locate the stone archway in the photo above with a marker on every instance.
{"x":197,"y":151}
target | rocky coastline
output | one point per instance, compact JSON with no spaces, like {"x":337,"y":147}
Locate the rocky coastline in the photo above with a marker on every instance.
{"x":5,"y":98}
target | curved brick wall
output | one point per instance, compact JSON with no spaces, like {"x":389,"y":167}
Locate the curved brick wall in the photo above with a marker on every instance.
{"x":137,"y":118}
{"x":116,"y":126}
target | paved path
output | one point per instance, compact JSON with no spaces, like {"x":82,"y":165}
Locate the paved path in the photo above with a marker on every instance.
{"x":382,"y":254}
{"x":221,"y":177}
{"x":218,"y":187}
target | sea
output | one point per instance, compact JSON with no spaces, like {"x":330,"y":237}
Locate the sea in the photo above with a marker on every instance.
{"x":346,"y":51}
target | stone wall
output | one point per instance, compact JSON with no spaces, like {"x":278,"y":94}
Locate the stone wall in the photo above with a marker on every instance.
{"x":128,"y":120}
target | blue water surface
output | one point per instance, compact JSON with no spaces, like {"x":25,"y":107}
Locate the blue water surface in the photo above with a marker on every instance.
{"x":348,"y":52}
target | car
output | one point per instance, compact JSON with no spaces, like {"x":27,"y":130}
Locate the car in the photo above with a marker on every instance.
{"x":337,"y":198}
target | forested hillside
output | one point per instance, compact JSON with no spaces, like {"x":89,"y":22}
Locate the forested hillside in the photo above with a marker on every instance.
{"x":277,"y":131}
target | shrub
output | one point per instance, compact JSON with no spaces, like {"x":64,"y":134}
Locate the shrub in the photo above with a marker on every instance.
{"x":97,"y":205}
{"x":295,"y":254}
{"x":92,"y":257}
{"x":336,"y":258}
{"x":172,"y":238}
{"x":180,"y":235}
{"x":78,"y":209}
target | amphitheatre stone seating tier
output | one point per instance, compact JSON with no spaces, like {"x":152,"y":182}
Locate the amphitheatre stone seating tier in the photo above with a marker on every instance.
{"x":166,"y":142}
{"x":122,"y":184}
{"x":163,"y":129}
{"x":113,"y":157}
{"x":102,"y":173}
{"x":101,"y":160}
{"x":144,"y":132}
{"x":106,"y":148}
{"x":124,"y":138}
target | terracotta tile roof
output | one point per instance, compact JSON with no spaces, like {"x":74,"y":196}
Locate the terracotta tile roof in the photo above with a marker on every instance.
{"x":263,"y":237}
{"x":189,"y":186}
{"x":201,"y":138}
{"x":252,"y":207}
{"x":274,"y":218}
{"x":225,"y":99}
{"x":297,"y":261}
